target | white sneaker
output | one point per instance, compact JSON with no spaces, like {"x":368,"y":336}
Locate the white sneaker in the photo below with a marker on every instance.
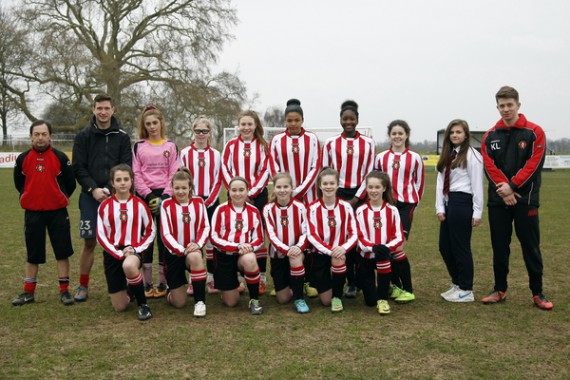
{"x":449,"y":291}
{"x":200,"y":309}
{"x":460,"y":296}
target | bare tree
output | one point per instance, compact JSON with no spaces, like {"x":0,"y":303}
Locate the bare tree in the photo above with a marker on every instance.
{"x":274,"y":117}
{"x":15,"y":55}
{"x":125,"y":47}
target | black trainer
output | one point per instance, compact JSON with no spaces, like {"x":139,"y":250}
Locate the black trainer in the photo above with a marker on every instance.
{"x":23,"y":299}
{"x":66,"y":298}
{"x":144,"y":312}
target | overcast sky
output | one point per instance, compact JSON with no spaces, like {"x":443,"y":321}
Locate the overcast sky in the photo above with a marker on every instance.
{"x":426,"y":62}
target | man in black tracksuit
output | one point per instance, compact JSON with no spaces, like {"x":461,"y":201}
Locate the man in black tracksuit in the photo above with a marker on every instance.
{"x":513,"y":153}
{"x":98,"y":147}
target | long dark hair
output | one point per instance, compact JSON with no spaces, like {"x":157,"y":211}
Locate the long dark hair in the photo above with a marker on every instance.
{"x":445,"y":156}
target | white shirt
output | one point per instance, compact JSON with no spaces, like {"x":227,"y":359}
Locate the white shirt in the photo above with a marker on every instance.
{"x":465,"y":180}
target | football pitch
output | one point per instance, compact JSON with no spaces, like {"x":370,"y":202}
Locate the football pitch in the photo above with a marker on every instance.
{"x":428,"y":338}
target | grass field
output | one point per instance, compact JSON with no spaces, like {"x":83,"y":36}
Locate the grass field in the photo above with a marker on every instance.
{"x":426,"y":339}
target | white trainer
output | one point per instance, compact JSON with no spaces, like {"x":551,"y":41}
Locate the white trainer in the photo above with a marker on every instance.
{"x":460,"y":296}
{"x":200,"y":309}
{"x":449,"y":291}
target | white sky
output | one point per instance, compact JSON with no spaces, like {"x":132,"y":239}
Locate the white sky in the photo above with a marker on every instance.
{"x":424,"y":61}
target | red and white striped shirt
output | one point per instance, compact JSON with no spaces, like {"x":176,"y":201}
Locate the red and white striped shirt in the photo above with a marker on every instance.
{"x":334,"y":227}
{"x":205,"y":167}
{"x":122,"y":224}
{"x":300,"y":156}
{"x":231,"y":227}
{"x":406,"y":170}
{"x":182,"y":224}
{"x":380,"y":225}
{"x":286,"y":226}
{"x":352,"y":158}
{"x":247,"y":159}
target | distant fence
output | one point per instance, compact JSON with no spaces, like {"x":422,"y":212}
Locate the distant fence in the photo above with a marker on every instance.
{"x":8,"y":159}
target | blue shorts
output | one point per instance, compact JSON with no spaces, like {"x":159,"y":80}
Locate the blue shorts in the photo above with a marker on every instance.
{"x":88,"y":207}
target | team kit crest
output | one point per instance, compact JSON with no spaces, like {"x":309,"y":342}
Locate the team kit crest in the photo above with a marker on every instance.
{"x":186,"y":217}
{"x":246,"y":152}
{"x":377,"y":223}
{"x":239,"y":224}
{"x":332,"y":221}
{"x":350,"y":150}
{"x":396,"y":164}
{"x":522,"y":144}
{"x":201,"y":162}
{"x":123,"y":215}
{"x":284,"y":220}
{"x":296,"y":147}
{"x":166,"y":154}
{"x":40,"y":168}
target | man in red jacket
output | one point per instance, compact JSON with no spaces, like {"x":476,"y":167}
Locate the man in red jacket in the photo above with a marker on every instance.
{"x":513,"y":154}
{"x":45,"y":181}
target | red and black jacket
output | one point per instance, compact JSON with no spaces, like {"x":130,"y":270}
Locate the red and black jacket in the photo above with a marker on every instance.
{"x":514,"y":155}
{"x":45,"y":179}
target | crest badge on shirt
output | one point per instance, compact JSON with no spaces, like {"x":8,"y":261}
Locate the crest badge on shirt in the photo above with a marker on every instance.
{"x":295,"y":148}
{"x":40,"y":168}
{"x":166,"y":154}
{"x":186,"y":217}
{"x":396,"y":164}
{"x":284,"y":220}
{"x":239,"y":224}
{"x":377,"y":223}
{"x":523,"y":144}
{"x":332,"y":221}
{"x":123,"y":215}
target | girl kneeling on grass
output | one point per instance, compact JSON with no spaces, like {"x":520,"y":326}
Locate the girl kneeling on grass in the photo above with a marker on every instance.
{"x":237,"y":234}
{"x":285,"y":222}
{"x":379,"y":234}
{"x":125,"y":230}
{"x":185,"y":228}
{"x":332,"y":232}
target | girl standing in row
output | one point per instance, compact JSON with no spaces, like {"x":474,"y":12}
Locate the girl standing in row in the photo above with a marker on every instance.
{"x":459,"y":206}
{"x":247,"y":156}
{"x":406,"y":171}
{"x":204,"y":164}
{"x":379,"y":235}
{"x":332,"y":232}
{"x":287,"y":231}
{"x":155,"y":160}
{"x":125,"y":230}
{"x":237,"y":235}
{"x":351,"y":154}
{"x":185,"y":230}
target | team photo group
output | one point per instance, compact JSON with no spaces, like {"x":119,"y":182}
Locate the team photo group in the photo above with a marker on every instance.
{"x":335,"y":223}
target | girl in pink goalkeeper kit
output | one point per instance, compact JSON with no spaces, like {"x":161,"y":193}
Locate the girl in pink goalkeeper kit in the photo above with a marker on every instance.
{"x":185,"y":228}
{"x":155,"y":160}
{"x":406,"y":171}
